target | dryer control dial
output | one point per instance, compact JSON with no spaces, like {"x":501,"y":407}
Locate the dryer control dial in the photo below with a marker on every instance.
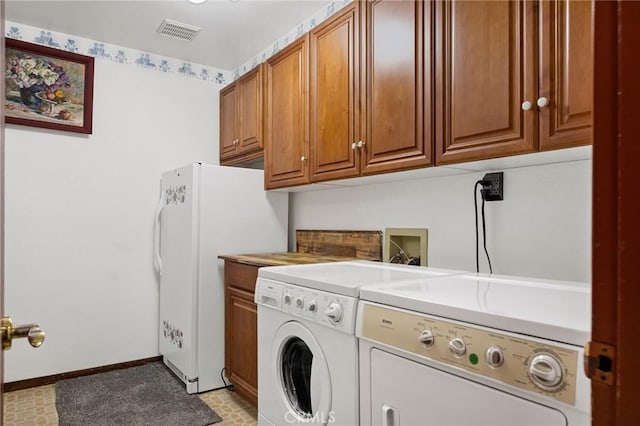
{"x":313,"y":306}
{"x":427,"y":337}
{"x":287,"y":299}
{"x":494,"y":356}
{"x":299,"y":302}
{"x":546,"y":372}
{"x":457,"y":347}
{"x":334,"y":311}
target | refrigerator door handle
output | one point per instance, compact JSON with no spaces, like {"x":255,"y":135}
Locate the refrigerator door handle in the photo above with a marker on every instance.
{"x":156,"y":237}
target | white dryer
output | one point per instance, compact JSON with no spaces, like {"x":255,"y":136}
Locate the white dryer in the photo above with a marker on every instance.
{"x":307,"y":348}
{"x":474,"y":350}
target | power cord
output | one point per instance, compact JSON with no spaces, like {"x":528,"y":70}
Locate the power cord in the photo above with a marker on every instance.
{"x":230,"y":387}
{"x":475,"y":210}
{"x":483,"y":192}
{"x":484,"y":231}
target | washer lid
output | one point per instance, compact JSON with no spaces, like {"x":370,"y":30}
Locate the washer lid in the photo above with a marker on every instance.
{"x":555,"y":310}
{"x":346,"y":278}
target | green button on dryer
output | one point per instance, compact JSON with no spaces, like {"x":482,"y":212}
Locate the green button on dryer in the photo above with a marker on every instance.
{"x":473,"y":359}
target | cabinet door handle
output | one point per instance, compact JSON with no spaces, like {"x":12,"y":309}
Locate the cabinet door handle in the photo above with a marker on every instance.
{"x":303,"y":158}
{"x":542,"y":102}
{"x":526,"y":105}
{"x":353,"y":146}
{"x":361,"y":144}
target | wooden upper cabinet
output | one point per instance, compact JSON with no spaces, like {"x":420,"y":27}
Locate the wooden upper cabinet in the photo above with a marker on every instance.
{"x":387,"y":85}
{"x":250,"y":111}
{"x":487,"y":68}
{"x":287,"y":116}
{"x":371,"y":91}
{"x":566,"y":73}
{"x":241,"y":121}
{"x":398,"y":58}
{"x":228,"y":125}
{"x":516,"y":77}
{"x":334,"y":96}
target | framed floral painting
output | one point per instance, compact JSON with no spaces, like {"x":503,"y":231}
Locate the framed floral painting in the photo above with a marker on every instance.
{"x":48,"y":88}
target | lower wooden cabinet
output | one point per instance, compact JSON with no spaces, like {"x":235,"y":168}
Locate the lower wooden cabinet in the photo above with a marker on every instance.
{"x":241,"y":328}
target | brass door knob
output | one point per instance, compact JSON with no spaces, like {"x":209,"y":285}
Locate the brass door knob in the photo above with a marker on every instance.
{"x":32,"y":332}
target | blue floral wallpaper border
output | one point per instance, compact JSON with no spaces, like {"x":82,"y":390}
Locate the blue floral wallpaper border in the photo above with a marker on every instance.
{"x":119,"y":54}
{"x":293,"y":34}
{"x":124,"y":55}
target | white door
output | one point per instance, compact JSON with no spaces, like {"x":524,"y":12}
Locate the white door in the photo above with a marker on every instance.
{"x":178,"y":251}
{"x":407,"y":393}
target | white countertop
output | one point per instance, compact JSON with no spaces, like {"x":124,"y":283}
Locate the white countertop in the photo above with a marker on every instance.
{"x":346,"y":278}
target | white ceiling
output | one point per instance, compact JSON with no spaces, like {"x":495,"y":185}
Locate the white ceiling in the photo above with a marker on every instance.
{"x":232,"y":31}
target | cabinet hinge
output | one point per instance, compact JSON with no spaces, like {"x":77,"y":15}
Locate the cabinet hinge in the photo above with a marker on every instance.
{"x":599,"y":362}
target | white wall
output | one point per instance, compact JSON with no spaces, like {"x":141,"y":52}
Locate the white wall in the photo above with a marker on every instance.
{"x":541,"y":229}
{"x":79,"y":218}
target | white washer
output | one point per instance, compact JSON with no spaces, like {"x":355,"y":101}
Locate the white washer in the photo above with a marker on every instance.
{"x":307,"y":349}
{"x":474,"y":350}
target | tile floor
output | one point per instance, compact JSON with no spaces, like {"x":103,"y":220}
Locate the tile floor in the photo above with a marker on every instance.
{"x":37,"y":406}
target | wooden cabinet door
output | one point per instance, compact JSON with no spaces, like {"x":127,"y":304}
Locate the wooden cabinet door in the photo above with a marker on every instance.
{"x":242,"y":342}
{"x":566,"y":73}
{"x":250,"y":111}
{"x":334,"y":96}
{"x":397,"y":86}
{"x":241,"y":328}
{"x":487,"y":65}
{"x":228,"y":122}
{"x":287,"y":117}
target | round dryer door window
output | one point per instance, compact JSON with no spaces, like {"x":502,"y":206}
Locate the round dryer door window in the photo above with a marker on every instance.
{"x":302,"y":373}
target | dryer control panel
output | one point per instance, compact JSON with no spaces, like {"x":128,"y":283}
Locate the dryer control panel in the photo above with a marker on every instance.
{"x":333,"y":310}
{"x":530,"y":364}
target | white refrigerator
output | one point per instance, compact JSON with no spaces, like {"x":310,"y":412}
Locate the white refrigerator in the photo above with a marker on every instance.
{"x":206,"y":211}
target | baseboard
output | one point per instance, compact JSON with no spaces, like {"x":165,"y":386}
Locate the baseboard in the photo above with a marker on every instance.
{"x":47,"y":380}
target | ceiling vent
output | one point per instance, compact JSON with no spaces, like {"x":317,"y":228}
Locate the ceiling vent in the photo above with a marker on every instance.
{"x":178,"y":30}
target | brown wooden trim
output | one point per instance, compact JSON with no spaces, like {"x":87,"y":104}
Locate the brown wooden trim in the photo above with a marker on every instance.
{"x":628,"y":238}
{"x":2,"y":170}
{"x":616,"y":230}
{"x":48,"y":380}
{"x":604,"y":222}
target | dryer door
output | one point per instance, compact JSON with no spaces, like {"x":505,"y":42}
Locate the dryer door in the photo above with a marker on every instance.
{"x":302,"y":374}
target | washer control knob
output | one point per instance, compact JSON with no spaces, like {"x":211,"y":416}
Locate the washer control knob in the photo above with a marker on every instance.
{"x":545,"y":371}
{"x":334,"y":311}
{"x":494,"y":356}
{"x":287,"y":299}
{"x":299,"y":302}
{"x":457,"y":347}
{"x":313,"y":306}
{"x":426,"y":337}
